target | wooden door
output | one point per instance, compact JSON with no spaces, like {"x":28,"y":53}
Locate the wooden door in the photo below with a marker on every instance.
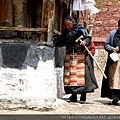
{"x":3,"y":10}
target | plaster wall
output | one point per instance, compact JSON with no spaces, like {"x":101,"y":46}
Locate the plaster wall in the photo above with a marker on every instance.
{"x":27,"y":76}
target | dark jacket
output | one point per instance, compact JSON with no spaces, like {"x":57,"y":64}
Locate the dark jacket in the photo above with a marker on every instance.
{"x":68,"y":39}
{"x":67,"y":44}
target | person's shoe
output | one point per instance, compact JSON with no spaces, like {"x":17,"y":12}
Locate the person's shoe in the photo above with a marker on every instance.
{"x":118,"y":102}
{"x":72,"y":98}
{"x":83,"y":98}
{"x":115,"y":102}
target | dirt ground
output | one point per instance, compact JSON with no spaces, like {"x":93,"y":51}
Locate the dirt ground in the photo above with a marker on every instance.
{"x":94,"y":104}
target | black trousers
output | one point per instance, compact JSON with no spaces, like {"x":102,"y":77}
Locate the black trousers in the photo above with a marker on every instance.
{"x":82,"y":98}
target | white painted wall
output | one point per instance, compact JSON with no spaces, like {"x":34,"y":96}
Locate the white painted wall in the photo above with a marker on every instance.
{"x":34,"y":88}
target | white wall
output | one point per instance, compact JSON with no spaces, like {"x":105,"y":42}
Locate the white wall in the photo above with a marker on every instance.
{"x":34,"y":85}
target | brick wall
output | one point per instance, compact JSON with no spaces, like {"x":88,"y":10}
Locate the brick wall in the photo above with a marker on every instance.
{"x":107,"y":19}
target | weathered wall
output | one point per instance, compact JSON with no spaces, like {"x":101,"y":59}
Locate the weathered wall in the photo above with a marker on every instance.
{"x":27,"y":76}
{"x":107,"y":19}
{"x":101,"y":58}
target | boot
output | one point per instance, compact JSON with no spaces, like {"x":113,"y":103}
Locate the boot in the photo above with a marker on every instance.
{"x":73,"y":98}
{"x":115,"y":102}
{"x":83,"y":98}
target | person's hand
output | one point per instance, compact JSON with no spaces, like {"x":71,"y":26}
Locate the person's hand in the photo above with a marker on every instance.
{"x":83,"y":43}
{"x":116,"y":49}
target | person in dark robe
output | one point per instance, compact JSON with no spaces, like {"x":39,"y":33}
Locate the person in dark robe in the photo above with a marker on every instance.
{"x":111,"y":85}
{"x":79,"y":75}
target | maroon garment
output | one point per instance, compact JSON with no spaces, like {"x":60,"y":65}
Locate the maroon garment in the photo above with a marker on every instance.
{"x":92,"y":50}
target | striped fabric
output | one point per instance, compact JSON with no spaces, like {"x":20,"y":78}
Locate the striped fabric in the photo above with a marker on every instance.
{"x":74,"y":70}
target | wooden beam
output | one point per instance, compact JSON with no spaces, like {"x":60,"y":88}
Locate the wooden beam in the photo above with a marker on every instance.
{"x":23,"y":29}
{"x":44,"y":14}
{"x":44,"y":20}
{"x":51,"y":19}
{"x":57,"y":32}
{"x":61,"y":15}
{"x":19,"y":12}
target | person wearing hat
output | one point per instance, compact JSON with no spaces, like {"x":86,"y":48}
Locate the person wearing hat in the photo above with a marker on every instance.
{"x":111,"y":85}
{"x":79,"y":75}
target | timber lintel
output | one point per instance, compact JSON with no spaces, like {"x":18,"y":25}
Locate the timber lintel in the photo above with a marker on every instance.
{"x":23,"y":29}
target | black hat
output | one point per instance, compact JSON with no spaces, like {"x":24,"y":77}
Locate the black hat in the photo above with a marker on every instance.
{"x":69,"y":19}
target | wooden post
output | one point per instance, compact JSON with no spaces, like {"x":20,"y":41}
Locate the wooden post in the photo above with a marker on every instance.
{"x":61,"y":15}
{"x":44,"y":20}
{"x":10,"y":12}
{"x":84,"y":15}
{"x":91,"y":25}
{"x":51,"y":16}
{"x":19,"y":12}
